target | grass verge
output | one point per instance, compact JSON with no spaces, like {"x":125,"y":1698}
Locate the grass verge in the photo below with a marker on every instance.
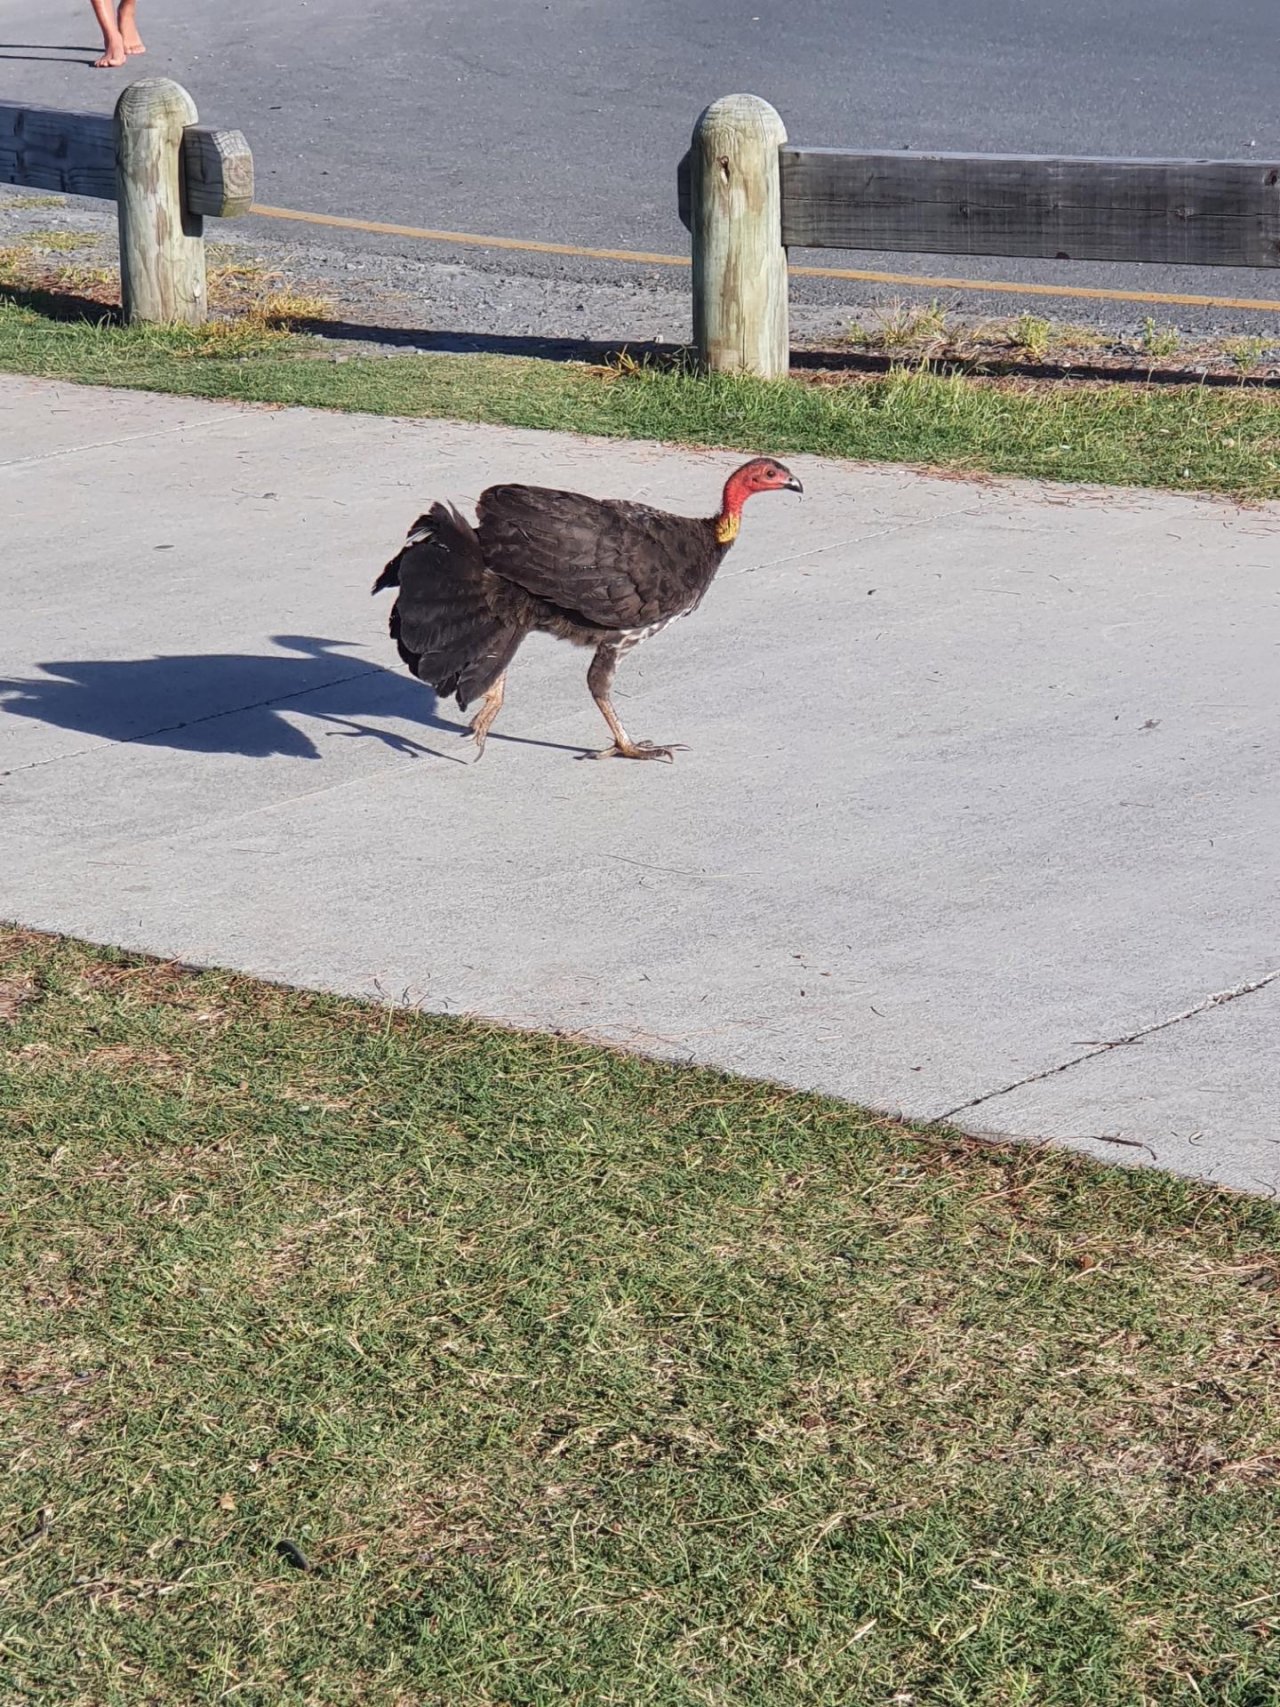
{"x":1185,"y":438}
{"x":359,"y":1356}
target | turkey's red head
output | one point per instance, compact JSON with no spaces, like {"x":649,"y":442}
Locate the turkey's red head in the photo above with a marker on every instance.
{"x":762,"y":474}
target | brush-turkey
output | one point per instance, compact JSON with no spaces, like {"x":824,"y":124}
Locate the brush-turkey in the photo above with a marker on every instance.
{"x":597,"y":571}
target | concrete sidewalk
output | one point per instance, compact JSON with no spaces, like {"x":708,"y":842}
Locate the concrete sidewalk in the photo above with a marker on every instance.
{"x":981,"y":780}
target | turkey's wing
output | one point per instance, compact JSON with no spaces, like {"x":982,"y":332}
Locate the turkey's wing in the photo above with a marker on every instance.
{"x":616,"y":565}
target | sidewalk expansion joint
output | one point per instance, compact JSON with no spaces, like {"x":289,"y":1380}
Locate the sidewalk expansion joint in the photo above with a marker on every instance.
{"x":1219,"y":999}
{"x":108,"y":444}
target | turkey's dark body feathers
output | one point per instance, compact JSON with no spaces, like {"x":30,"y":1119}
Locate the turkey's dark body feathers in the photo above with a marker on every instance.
{"x":613,"y":566}
{"x":593,"y":571}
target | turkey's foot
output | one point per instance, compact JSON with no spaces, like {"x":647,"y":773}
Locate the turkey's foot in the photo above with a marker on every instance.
{"x":482,"y":722}
{"x":629,"y":749}
{"x":599,"y":680}
{"x":478,"y":730}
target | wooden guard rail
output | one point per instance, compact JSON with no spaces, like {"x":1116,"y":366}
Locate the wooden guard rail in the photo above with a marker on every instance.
{"x":747,"y":197}
{"x":165,"y":172}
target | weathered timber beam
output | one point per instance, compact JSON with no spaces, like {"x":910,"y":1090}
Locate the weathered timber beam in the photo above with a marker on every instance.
{"x":73,"y":154}
{"x":1205,"y":213}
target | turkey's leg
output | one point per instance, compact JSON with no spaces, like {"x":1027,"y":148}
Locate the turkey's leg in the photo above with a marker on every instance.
{"x":490,"y":706}
{"x":600,"y":680}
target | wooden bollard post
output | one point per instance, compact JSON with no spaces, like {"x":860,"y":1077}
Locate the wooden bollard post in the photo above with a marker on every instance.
{"x":739,"y":264}
{"x":161,"y":244}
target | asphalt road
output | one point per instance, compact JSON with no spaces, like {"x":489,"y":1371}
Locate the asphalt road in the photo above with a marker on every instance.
{"x":564,"y":121}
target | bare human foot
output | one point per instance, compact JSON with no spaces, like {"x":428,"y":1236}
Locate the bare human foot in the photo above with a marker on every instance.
{"x":114,"y":56}
{"x":128,"y":28}
{"x":115,"y":39}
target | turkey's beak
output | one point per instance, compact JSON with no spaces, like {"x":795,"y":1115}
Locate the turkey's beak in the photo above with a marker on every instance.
{"x":793,"y":485}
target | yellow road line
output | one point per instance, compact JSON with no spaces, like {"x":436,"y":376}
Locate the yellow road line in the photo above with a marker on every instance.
{"x":917,"y":280}
{"x":470,"y":237}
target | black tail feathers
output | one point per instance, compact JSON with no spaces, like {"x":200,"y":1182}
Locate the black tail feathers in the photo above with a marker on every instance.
{"x":421,"y":529}
{"x":444,"y":621}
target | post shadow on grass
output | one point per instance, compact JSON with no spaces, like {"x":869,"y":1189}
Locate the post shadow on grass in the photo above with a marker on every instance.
{"x":447,"y":341}
{"x":61,"y":304}
{"x":837,"y":359}
{"x":56,"y":304}
{"x":235,"y":702}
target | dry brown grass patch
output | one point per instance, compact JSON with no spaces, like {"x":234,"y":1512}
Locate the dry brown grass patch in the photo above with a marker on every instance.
{"x":16,"y":994}
{"x":125,"y":1058}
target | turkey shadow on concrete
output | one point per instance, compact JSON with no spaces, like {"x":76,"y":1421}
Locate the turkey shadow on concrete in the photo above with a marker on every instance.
{"x":227,"y":702}
{"x":234,"y":702}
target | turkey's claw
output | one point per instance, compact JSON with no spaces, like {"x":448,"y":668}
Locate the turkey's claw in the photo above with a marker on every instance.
{"x":639,"y":750}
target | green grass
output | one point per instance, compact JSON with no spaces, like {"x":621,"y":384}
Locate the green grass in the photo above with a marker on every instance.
{"x":20,"y":204}
{"x":357,"y":1356}
{"x":1160,"y":341}
{"x":1032,"y":333}
{"x":1245,"y":354}
{"x":1185,"y":438}
{"x":59,"y":242}
{"x":903,"y":326}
